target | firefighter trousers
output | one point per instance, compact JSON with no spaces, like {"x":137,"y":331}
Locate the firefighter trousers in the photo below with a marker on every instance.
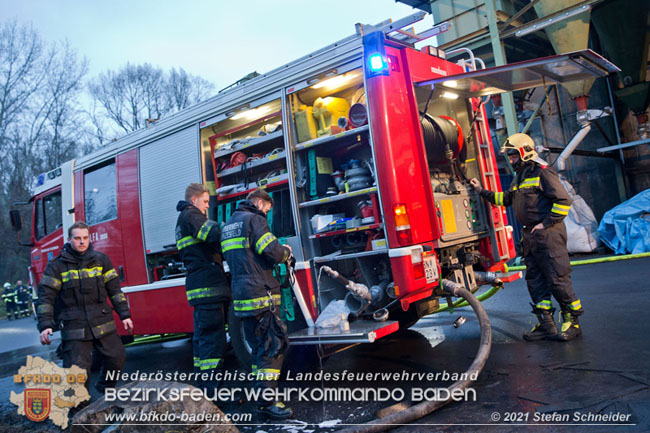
{"x":80,"y":353}
{"x":209,"y":341}
{"x":548,"y":269}
{"x":266,"y":369}
{"x":12,"y":310}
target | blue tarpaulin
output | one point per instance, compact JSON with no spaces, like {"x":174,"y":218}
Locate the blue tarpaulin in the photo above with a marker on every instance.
{"x":626,"y":228}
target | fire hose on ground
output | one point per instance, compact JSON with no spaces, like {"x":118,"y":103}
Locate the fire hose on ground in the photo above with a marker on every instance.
{"x":425,"y":408}
{"x":588,"y":261}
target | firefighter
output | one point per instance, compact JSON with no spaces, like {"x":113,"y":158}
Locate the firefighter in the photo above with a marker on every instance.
{"x":197,"y":240}
{"x":540,"y":203}
{"x":10,"y":297}
{"x":24,"y":298}
{"x":251,"y":250}
{"x":78,"y":281}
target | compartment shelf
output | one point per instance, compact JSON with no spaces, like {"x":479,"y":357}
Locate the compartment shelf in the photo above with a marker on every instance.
{"x":283,"y":181}
{"x":344,"y":231}
{"x":253,"y":164}
{"x":321,"y":140}
{"x":338,"y":197}
{"x":331,"y":258}
{"x":253,"y":142}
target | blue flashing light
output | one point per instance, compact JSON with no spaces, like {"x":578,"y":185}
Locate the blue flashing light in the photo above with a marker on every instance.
{"x":41,"y":179}
{"x":374,"y":50}
{"x":376,"y":62}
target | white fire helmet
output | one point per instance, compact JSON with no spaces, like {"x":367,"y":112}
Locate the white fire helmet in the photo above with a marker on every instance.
{"x":524,"y":145}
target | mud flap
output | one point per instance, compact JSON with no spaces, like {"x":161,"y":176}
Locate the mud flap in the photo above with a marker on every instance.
{"x":359,"y":332}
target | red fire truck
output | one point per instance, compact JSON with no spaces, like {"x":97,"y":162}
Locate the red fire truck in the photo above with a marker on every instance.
{"x":366,"y":147}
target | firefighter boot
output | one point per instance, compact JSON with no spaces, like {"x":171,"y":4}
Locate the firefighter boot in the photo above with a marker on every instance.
{"x":276,"y":411}
{"x":570,"y":328}
{"x":546,"y":327}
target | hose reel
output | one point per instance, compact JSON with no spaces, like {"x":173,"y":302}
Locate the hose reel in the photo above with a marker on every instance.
{"x":443,"y":138}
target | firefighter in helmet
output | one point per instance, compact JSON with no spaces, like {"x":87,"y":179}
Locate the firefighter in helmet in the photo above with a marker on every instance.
{"x":24,"y":298}
{"x":251,"y":250}
{"x":10,"y":297}
{"x":75,"y":289}
{"x":540,"y":203}
{"x":197,"y":240}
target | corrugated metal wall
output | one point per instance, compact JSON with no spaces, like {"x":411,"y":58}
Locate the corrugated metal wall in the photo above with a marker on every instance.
{"x":167,"y":166}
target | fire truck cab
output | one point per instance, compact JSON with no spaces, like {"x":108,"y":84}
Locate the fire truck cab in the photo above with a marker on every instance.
{"x":366,"y":146}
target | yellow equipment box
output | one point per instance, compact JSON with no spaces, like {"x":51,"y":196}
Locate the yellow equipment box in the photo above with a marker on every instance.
{"x":305,"y":123}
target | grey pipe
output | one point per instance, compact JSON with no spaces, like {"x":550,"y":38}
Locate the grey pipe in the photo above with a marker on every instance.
{"x":488,"y":277}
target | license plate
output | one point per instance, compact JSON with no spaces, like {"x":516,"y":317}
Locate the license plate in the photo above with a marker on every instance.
{"x":430,"y":269}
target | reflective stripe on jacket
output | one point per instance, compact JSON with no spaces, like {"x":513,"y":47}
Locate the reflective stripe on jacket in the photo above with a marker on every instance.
{"x":78,"y":284}
{"x":197,"y":240}
{"x":536,"y":195}
{"x":251,"y":250}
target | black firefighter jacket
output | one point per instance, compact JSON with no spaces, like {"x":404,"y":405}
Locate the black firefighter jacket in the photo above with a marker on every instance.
{"x":536,"y":195}
{"x":251,"y":250}
{"x":197,"y":240}
{"x":78,"y":285}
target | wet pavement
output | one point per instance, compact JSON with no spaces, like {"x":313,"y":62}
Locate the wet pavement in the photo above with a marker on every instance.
{"x":540,"y":387}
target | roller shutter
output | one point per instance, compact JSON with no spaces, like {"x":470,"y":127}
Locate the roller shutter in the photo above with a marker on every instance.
{"x":167,"y":166}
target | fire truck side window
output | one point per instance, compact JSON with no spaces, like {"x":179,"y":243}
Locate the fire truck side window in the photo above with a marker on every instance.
{"x":48,"y":214}
{"x":100,"y":194}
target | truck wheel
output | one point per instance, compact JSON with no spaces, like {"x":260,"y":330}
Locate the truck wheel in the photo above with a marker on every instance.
{"x":237,"y":339}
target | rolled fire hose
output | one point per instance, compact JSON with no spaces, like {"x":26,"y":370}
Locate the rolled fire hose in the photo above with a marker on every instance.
{"x":425,"y":408}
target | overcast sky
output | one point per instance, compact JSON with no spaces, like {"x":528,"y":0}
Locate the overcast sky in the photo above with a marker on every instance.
{"x":219,"y":40}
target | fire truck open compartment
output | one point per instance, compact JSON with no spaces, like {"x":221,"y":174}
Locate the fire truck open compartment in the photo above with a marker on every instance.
{"x":450,"y":123}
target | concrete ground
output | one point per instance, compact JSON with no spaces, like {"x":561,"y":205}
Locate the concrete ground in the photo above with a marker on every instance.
{"x":606,"y":371}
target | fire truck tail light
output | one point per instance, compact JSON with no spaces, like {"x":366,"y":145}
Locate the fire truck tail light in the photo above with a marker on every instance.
{"x":401,"y":217}
{"x":417,"y":262}
{"x":418,"y":270}
{"x":402,"y":224}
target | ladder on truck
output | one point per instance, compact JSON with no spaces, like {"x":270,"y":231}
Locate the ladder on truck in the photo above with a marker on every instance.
{"x":490,"y":172}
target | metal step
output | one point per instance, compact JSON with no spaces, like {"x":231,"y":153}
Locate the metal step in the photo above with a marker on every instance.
{"x":360,"y":332}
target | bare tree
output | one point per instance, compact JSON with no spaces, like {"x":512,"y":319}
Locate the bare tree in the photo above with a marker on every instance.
{"x":138,"y":92}
{"x":184,"y":89}
{"x":21,"y":52}
{"x":41,"y":124}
